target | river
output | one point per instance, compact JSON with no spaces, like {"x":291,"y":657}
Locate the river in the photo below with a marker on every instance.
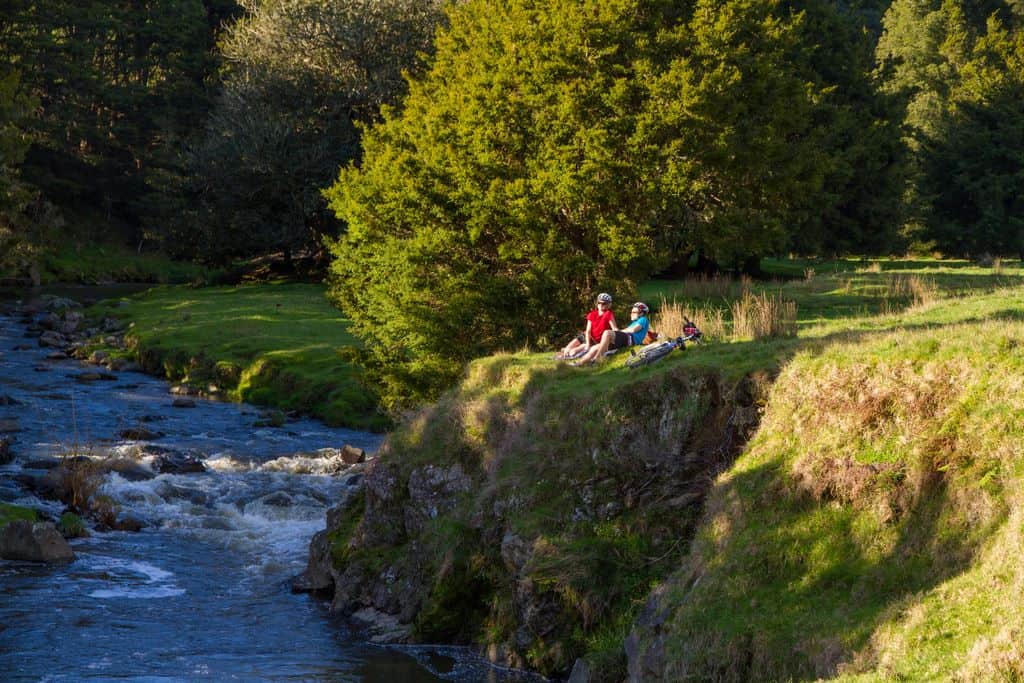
{"x":201,"y":593}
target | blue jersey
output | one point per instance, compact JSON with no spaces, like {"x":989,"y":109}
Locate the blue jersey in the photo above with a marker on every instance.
{"x":641,"y":332}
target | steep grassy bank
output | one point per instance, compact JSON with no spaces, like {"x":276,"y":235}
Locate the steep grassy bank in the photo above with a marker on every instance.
{"x":872,"y":528}
{"x":868,"y":529}
{"x":533,"y":508}
{"x":277,"y":345}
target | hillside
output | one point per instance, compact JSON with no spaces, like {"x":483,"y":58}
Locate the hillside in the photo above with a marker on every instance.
{"x":839,"y":503}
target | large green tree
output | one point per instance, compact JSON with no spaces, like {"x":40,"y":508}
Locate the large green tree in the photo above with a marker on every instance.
{"x":554,"y":148}
{"x":300,"y":75}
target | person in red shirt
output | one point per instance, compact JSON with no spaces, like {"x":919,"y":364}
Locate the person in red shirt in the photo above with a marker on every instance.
{"x":598,"y":320}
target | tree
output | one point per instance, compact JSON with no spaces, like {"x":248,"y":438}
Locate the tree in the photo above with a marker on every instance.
{"x":956,"y":67}
{"x":973,"y":167}
{"x":300,"y":75}
{"x":115,"y":82}
{"x":557,"y":148}
{"x":24,"y":215}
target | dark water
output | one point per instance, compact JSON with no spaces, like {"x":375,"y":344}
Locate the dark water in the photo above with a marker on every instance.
{"x":202,"y":593}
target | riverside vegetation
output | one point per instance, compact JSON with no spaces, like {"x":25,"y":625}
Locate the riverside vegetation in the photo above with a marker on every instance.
{"x":838,"y":502}
{"x":280,"y":345}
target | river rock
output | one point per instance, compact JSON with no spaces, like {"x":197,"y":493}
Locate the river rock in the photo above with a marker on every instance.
{"x":55,"y":303}
{"x":94,"y":377}
{"x":580,"y":672}
{"x":57,"y":355}
{"x":129,"y":469}
{"x":98,"y":356}
{"x":6,"y":400}
{"x":317,"y":576}
{"x":129,"y":522}
{"x":34,"y":542}
{"x":9,"y":426}
{"x":72,"y":321}
{"x":140,"y":434}
{"x":53,"y":339}
{"x":50,"y":321}
{"x":183,"y":403}
{"x":6,"y":454}
{"x":352,"y":455}
{"x":112,"y":325}
{"x":382,"y":627}
{"x":178,"y":463}
{"x":183,"y":390}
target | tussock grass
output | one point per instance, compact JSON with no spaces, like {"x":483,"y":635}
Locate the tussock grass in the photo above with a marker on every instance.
{"x":762,"y":316}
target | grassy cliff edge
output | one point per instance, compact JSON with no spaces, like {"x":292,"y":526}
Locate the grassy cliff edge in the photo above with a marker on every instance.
{"x":868,"y":529}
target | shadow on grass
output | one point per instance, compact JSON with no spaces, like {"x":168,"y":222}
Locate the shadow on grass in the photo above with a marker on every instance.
{"x":808,"y":595}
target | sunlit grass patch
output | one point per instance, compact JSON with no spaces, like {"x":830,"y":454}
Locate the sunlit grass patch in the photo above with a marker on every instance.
{"x":280,"y":345}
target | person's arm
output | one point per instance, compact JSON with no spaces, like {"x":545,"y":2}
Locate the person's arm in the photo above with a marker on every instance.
{"x":611,"y":323}
{"x":586,"y":335}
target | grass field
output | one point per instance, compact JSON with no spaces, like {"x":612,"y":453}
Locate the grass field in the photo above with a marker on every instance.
{"x":277,"y":345}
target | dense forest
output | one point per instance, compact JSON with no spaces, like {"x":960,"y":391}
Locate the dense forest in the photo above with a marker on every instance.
{"x":473,"y":171}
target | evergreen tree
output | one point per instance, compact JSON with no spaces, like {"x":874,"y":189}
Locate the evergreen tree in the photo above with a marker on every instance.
{"x":116,"y":81}
{"x":24,"y":216}
{"x":557,"y":148}
{"x":973,"y":167}
{"x":954,"y":65}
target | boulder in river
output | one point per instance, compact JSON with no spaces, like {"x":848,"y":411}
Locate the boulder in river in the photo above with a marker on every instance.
{"x":9,"y":425}
{"x":53,"y":339}
{"x":6,"y":454}
{"x":94,"y":376}
{"x":34,"y":542}
{"x":317,"y":576}
{"x":178,"y":463}
{"x":183,"y":403}
{"x":140,"y":434}
{"x":129,"y":522}
{"x":6,"y":400}
{"x":352,"y":455}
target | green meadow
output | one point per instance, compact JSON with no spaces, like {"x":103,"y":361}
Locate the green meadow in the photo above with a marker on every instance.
{"x":279,"y":345}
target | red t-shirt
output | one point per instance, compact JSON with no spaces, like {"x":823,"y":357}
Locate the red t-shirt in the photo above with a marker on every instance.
{"x":599,"y":322}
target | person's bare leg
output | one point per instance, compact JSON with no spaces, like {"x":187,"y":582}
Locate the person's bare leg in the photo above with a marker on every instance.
{"x":597,"y":351}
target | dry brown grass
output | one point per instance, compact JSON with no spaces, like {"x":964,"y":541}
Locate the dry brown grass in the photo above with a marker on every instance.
{"x":671,"y":317}
{"x":920,"y":290}
{"x":761,"y":316}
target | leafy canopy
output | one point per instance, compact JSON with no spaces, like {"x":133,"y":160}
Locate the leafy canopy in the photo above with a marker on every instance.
{"x":555,"y":149}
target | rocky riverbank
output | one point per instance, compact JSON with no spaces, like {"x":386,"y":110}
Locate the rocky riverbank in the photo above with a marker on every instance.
{"x":529,"y":524}
{"x":56,"y":332}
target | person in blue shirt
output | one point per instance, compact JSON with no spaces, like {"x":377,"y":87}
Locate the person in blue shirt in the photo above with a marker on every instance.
{"x":632,"y":335}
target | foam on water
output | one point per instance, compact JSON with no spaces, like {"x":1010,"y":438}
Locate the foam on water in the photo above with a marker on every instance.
{"x":131,"y":579}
